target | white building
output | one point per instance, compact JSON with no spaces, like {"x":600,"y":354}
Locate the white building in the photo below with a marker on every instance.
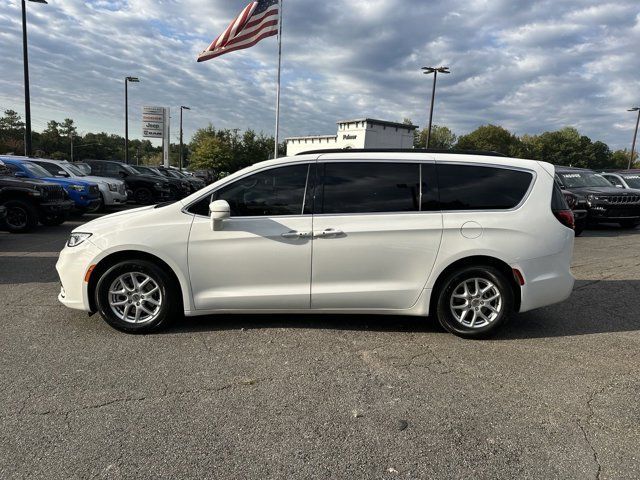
{"x":360,"y":133}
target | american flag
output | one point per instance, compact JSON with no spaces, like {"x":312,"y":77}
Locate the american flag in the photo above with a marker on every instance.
{"x":256,"y":21}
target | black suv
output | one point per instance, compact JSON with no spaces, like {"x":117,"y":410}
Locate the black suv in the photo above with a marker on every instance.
{"x":605,"y":203}
{"x":179,"y":188}
{"x":28,"y":201}
{"x":144,"y":189}
{"x":195,"y":183}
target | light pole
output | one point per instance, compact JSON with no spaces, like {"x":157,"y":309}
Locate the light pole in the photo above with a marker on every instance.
{"x":182,"y":107}
{"x":427,"y":71}
{"x":126,"y":115}
{"x":635,"y":134}
{"x":27,"y":96}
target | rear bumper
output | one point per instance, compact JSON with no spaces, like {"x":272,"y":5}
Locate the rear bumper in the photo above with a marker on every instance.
{"x":548,"y":280}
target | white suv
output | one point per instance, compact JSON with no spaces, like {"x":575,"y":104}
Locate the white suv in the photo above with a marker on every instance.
{"x":469,"y":239}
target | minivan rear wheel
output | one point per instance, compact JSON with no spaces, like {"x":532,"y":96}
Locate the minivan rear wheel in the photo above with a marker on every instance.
{"x":137,"y":296}
{"x":474,"y":301}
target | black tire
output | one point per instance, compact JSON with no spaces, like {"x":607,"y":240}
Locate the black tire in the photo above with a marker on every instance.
{"x":450,"y":286}
{"x":98,"y":207}
{"x":629,"y":223}
{"x":169,"y":296}
{"x":143,"y":196}
{"x":22,"y":216}
{"x":580,"y":226}
{"x":53,"y":219}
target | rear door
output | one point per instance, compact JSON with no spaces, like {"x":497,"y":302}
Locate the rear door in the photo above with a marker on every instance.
{"x":377,"y":231}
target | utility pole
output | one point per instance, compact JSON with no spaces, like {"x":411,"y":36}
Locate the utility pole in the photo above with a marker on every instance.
{"x":427,"y":71}
{"x":28,"y":147}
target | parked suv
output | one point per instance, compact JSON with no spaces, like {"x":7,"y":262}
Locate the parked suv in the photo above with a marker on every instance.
{"x":145,"y":189}
{"x":469,"y":239}
{"x":578,"y":206}
{"x":179,"y":188}
{"x":85,"y":195}
{"x":112,"y":191}
{"x":628,"y":179}
{"x":27,"y":201}
{"x":194,"y":182}
{"x":605,"y":202}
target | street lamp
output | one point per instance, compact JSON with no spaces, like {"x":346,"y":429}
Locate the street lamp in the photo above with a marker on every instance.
{"x":427,"y":71}
{"x":126,"y":115}
{"x":27,"y":97}
{"x":182,"y":107}
{"x":635,"y":134}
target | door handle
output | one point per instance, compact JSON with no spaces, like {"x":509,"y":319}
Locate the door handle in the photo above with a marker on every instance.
{"x":296,"y":234}
{"x":329,"y":232}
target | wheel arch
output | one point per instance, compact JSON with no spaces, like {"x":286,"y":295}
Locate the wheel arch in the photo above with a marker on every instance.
{"x":477,"y":261}
{"x":111,"y":259}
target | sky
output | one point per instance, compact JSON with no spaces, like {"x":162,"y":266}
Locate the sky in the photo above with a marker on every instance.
{"x":529,"y":66}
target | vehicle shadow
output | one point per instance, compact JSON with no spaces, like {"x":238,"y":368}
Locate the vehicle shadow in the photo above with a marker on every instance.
{"x":594,"y":307}
{"x":609,"y":230}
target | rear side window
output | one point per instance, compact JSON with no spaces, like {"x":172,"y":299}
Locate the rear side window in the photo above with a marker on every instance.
{"x":49,"y":167}
{"x":471,"y":187}
{"x":558,"y":200}
{"x":362,"y":187}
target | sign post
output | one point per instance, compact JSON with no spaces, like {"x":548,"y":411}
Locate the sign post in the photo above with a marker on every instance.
{"x":167,"y":137}
{"x":155,"y":124}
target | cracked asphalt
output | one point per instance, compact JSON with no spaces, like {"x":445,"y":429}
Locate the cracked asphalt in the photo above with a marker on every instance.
{"x":554,"y":395}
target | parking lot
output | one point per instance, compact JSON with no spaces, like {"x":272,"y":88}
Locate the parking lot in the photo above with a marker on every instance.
{"x":553,"y":395}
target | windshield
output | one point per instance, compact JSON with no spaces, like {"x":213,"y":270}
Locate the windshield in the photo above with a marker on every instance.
{"x":144,"y":170}
{"x":130,"y":169}
{"x":632,"y":180}
{"x":36,"y":170}
{"x":75,"y":170}
{"x":86,"y":169}
{"x":584,"y":179}
{"x":171,"y":173}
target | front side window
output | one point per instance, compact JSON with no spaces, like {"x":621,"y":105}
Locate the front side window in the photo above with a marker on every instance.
{"x":368,"y":187}
{"x":49,"y":167}
{"x":471,"y":187}
{"x":279,"y":191}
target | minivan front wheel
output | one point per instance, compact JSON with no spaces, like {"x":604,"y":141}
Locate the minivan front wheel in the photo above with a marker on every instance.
{"x":474,"y":301}
{"x":136,"y":296}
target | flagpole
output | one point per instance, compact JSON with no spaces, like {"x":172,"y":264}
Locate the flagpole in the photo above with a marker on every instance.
{"x":275,"y":155}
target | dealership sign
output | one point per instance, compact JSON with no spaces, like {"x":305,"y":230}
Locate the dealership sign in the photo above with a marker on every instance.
{"x":153,"y":122}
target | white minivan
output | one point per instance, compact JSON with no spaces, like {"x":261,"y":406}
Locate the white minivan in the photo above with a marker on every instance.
{"x":467,"y":238}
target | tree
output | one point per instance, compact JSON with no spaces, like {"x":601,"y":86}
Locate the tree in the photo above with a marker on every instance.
{"x":441,"y":138}
{"x":11,"y":132}
{"x":492,"y":138}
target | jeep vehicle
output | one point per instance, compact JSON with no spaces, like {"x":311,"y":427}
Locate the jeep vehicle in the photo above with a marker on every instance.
{"x":145,"y":189}
{"x":578,"y":205}
{"x":113,"y":191}
{"x":605,"y":202}
{"x":179,"y":188}
{"x":29,"y":201}
{"x":468,"y":239}
{"x":194,"y":182}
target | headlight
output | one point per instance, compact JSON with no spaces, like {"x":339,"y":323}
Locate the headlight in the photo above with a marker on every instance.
{"x":77,"y":238}
{"x":113,"y":187}
{"x":77,"y":188}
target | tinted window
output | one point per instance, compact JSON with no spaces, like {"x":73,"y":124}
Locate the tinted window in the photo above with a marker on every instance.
{"x":466,"y":187}
{"x":49,"y":167}
{"x":369,"y":187}
{"x":558,"y":200}
{"x":279,"y":191}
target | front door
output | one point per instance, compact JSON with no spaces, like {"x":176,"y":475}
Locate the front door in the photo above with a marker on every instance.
{"x":376,"y":234}
{"x":261,"y":258}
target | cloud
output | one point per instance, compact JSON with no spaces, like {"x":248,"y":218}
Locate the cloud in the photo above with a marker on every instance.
{"x":530,"y":66}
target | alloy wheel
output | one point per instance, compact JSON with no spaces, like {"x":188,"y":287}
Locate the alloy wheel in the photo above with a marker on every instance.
{"x":135,"y":297}
{"x":476,"y":302}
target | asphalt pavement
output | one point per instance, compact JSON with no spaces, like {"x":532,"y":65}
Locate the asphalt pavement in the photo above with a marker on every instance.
{"x":553,"y":395}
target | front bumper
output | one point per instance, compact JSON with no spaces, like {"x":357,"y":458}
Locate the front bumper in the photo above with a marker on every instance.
{"x":613,"y":213}
{"x":114,"y":198}
{"x":72,"y":266}
{"x":55,"y":208}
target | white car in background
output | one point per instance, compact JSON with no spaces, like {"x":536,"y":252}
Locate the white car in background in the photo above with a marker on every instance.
{"x":113,"y":192}
{"x":469,"y":239}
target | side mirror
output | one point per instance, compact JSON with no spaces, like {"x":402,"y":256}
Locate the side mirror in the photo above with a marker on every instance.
{"x":20,"y":175}
{"x":220,"y":210}
{"x":619,"y":186}
{"x":122,"y":174}
{"x":62,"y":173}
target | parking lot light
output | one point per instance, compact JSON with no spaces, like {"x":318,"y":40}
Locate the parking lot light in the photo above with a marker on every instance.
{"x":126,"y":115}
{"x":427,"y":71}
{"x":635,"y":134}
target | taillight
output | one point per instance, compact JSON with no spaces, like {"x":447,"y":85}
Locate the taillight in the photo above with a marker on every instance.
{"x":565,"y":217}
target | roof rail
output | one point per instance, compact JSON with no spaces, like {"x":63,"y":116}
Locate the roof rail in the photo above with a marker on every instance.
{"x":403,"y":150}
